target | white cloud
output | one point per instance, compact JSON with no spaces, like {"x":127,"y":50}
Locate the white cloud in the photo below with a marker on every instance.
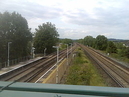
{"x":75,"y":18}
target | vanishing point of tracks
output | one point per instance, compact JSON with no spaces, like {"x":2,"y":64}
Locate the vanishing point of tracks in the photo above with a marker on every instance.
{"x":118,"y":72}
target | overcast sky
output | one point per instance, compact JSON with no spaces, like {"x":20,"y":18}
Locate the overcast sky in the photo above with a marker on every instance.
{"x":75,"y":18}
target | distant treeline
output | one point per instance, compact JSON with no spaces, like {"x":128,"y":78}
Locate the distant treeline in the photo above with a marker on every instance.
{"x":120,"y":47}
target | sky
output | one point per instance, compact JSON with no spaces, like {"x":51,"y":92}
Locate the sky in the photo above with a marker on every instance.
{"x":75,"y":19}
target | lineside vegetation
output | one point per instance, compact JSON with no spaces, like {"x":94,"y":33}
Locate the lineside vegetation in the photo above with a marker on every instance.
{"x":82,"y":72}
{"x":118,"y":49}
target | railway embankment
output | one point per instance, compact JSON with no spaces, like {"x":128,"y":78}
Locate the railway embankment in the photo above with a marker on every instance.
{"x":114,"y":73}
{"x":83,"y":72}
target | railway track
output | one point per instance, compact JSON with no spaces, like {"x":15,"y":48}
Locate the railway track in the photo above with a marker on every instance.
{"x":32,"y":70}
{"x":118,"y":72}
{"x":48,"y":71}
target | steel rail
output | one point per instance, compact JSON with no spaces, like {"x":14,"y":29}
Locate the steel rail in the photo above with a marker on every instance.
{"x":48,"y":71}
{"x":34,"y":66}
{"x":100,"y":64}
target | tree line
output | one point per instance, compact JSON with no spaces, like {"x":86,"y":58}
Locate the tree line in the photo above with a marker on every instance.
{"x":13,"y":29}
{"x":15,"y":33}
{"x":102,"y":43}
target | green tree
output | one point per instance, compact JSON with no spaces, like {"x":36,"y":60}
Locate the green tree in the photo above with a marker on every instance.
{"x":89,"y":41}
{"x":46,"y":36}
{"x":111,"y":47}
{"x":127,"y":52}
{"x":122,"y":50}
{"x":14,"y":28}
{"x":66,"y":41}
{"x":119,"y":45}
{"x":80,"y":41}
{"x":101,"y":42}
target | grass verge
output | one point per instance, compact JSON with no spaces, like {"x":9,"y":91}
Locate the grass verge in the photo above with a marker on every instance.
{"x":117,"y":57}
{"x":82,"y":72}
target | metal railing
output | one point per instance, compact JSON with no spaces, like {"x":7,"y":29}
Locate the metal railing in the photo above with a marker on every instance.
{"x":14,"y":61}
{"x":29,"y":89}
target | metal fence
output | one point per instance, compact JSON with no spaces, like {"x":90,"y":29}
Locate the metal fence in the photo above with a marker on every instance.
{"x":14,"y":61}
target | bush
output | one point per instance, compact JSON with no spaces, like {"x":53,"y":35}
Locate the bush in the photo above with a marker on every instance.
{"x":80,"y":73}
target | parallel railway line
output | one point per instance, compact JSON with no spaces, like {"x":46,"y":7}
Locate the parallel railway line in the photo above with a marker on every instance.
{"x":118,"y":72}
{"x":32,"y":70}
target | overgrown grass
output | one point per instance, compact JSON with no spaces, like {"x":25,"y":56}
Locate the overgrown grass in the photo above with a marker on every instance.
{"x":82,"y":72}
{"x":120,"y":58}
{"x":117,"y":57}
